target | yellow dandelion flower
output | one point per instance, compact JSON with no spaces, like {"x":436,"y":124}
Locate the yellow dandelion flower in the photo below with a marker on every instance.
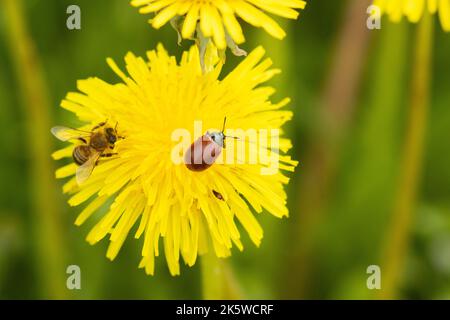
{"x":217,"y":18}
{"x":143,"y":184}
{"x":414,"y":9}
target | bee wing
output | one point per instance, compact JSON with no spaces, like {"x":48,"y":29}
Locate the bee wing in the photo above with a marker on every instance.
{"x":85,"y":170}
{"x":65,"y":133}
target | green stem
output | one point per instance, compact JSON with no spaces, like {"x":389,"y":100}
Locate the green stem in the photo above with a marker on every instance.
{"x":45,"y":214}
{"x":218,"y":281}
{"x":398,"y":235}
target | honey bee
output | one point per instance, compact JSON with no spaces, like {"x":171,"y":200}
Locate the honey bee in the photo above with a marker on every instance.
{"x":96,"y":143}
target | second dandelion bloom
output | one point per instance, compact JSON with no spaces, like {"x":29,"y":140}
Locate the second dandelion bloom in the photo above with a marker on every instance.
{"x":414,"y":10}
{"x":218,"y":19}
{"x":159,"y":109}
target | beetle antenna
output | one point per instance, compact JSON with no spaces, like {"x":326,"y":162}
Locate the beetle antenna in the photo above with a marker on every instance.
{"x":237,"y":138}
{"x":224,"y":122}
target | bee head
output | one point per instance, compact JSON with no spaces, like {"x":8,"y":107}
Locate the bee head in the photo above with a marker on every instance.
{"x":111,"y":135}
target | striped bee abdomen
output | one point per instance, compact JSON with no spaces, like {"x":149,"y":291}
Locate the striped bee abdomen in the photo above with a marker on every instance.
{"x":81,"y":154}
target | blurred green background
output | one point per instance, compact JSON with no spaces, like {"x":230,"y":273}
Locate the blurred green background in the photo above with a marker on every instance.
{"x":350,"y":93}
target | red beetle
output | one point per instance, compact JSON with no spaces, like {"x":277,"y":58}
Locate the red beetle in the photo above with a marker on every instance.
{"x":205,"y":150}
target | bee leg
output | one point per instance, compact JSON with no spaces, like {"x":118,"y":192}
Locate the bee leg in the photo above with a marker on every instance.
{"x":101,"y":124}
{"x":82,"y":140}
{"x":108,"y":155}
